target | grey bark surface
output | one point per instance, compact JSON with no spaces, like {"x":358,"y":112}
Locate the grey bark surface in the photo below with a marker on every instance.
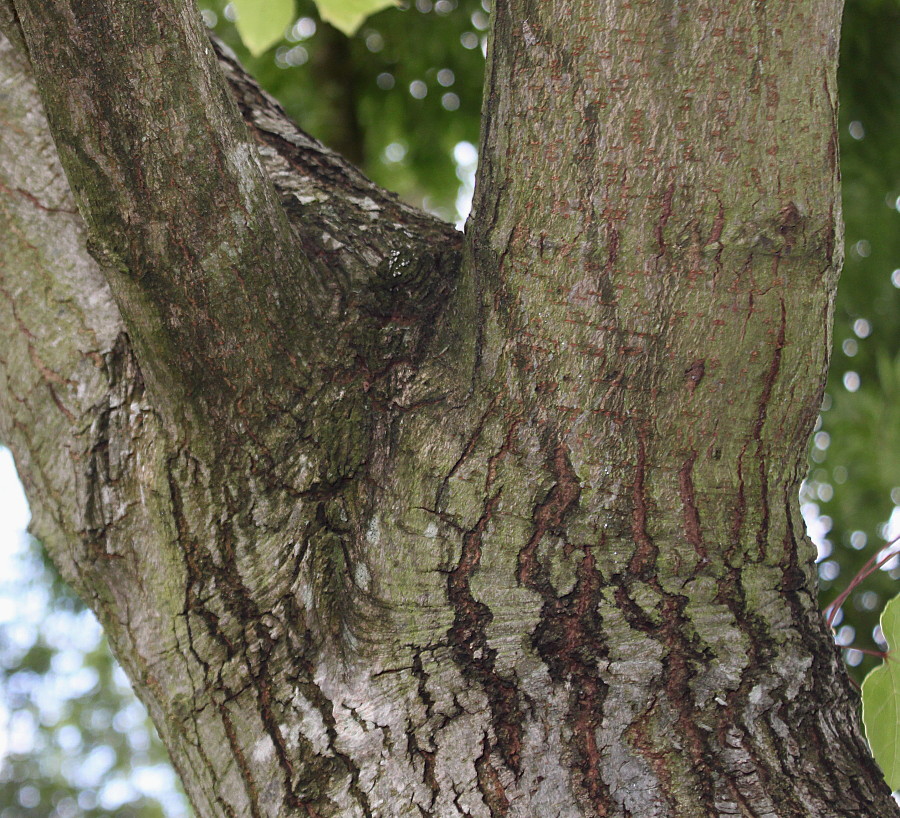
{"x":382,"y":521}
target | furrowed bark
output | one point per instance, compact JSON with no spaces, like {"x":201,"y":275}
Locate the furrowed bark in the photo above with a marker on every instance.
{"x":207,"y":274}
{"x":228,"y":309}
{"x":114,"y":492}
{"x":655,"y":244}
{"x":522,"y":543}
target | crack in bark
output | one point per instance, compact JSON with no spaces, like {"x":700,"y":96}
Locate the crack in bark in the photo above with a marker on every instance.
{"x":762,"y":533}
{"x":664,"y":216}
{"x":756,"y":436}
{"x":671,"y":630}
{"x":471,"y":651}
{"x":202,"y":569}
{"x":466,"y":452}
{"x":612,"y":249}
{"x":468,"y":635}
{"x":241,"y":762}
{"x":429,"y":763}
{"x":489,"y":784}
{"x":772,"y":375}
{"x":827,"y":664}
{"x":569,"y":635}
{"x":680,"y":662}
{"x":762,"y":411}
{"x":692,"y":525}
{"x":313,"y":693}
{"x":681,"y":659}
{"x":760,"y":653}
{"x":639,"y":735}
{"x":125,"y":389}
{"x":421,"y":677}
{"x":643,"y":561}
{"x":198,"y":563}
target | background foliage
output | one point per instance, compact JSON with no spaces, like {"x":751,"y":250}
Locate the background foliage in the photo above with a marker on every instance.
{"x":854,"y":483}
{"x":402,"y":98}
{"x":396,"y":98}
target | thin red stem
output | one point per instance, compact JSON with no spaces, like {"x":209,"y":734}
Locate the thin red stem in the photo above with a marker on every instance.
{"x":867,"y":570}
{"x":881,"y":654}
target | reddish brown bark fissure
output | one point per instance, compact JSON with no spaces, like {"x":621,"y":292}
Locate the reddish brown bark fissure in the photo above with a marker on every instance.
{"x":569,"y":634}
{"x":644,"y":557}
{"x":489,"y":783}
{"x":471,"y":649}
{"x":692,"y":527}
{"x":472,"y":652}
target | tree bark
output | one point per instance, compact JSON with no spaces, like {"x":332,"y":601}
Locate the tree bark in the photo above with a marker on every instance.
{"x":384,"y":525}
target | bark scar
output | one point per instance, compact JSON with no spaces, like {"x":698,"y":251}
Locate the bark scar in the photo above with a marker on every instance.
{"x":689,"y":505}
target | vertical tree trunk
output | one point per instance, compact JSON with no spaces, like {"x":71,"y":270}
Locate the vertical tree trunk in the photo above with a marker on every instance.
{"x":514,"y":536}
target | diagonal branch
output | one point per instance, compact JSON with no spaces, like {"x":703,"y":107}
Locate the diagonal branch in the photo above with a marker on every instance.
{"x":203,"y":263}
{"x":229,"y":305}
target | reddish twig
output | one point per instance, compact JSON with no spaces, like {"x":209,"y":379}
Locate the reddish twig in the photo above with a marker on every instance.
{"x":867,"y":570}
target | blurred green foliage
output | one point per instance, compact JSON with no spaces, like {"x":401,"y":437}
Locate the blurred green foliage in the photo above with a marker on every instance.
{"x":261,"y":23}
{"x":397,"y":98}
{"x":77,"y":743}
{"x":855,"y":457}
{"x":348,"y":15}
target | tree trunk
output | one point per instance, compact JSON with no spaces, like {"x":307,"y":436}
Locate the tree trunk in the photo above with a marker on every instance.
{"x":385,"y":523}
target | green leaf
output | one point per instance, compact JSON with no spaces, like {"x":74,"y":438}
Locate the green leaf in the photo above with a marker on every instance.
{"x":262,"y":23}
{"x":348,"y":15}
{"x":881,"y":700}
